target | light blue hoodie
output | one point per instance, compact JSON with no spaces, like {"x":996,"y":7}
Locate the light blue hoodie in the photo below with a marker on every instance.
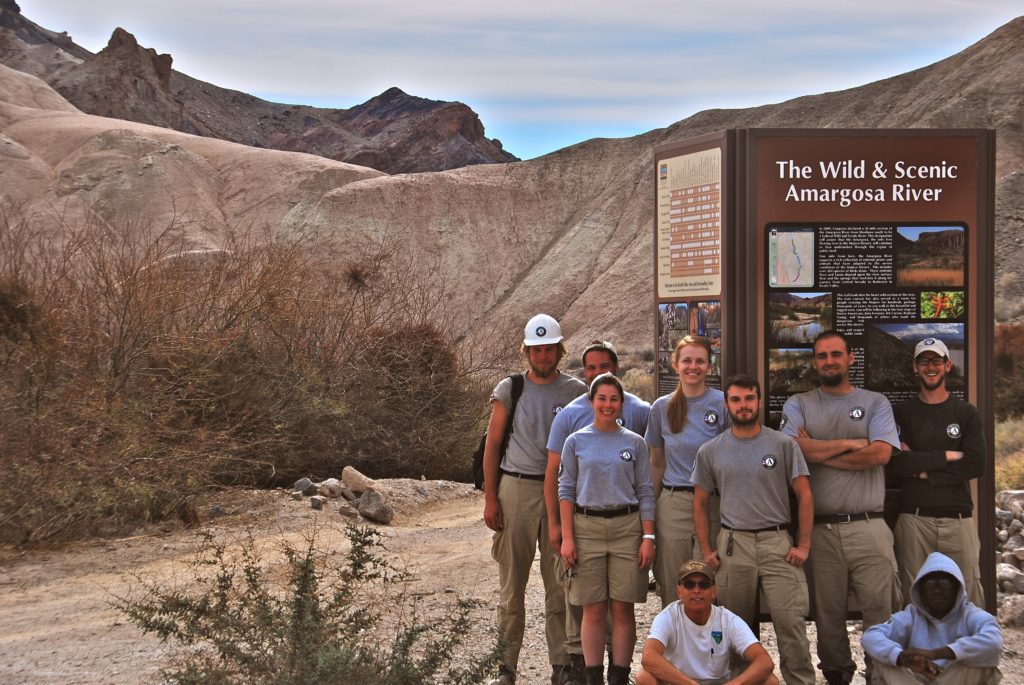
{"x":972,"y":633}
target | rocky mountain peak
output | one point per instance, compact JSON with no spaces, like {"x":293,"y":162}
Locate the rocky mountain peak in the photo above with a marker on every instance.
{"x":10,"y":5}
{"x":124,"y":49}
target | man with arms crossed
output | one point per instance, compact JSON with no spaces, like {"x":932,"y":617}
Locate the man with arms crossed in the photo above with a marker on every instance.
{"x":598,"y":357}
{"x":754,"y":467}
{"x":847,"y":435}
{"x":943,"y":449}
{"x":514,"y":508}
{"x":692,"y":640}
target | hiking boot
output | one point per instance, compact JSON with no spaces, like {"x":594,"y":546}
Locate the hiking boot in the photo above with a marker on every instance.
{"x":561,"y":674}
{"x":618,"y":675}
{"x":577,"y":670}
{"x":595,"y":675}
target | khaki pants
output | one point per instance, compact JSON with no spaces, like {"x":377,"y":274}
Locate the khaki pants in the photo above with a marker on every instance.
{"x":955,"y":674}
{"x":957,"y":538}
{"x":677,"y":543}
{"x":514,"y":547}
{"x":760,"y":559}
{"x":844,"y":556}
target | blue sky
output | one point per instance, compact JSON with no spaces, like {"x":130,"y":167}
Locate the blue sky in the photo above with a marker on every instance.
{"x":541,"y":75}
{"x":914,"y":232}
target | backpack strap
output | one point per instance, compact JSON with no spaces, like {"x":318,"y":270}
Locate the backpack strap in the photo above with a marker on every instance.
{"x":518,"y":382}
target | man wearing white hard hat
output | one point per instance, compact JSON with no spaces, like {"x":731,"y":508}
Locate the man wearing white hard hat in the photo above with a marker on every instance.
{"x":943,"y":450}
{"x":514,"y":495}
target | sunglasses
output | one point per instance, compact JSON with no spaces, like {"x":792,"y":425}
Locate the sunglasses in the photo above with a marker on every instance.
{"x":690,"y":584}
{"x":946,"y":584}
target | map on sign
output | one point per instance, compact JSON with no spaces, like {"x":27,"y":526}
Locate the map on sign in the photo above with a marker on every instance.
{"x":791,"y":257}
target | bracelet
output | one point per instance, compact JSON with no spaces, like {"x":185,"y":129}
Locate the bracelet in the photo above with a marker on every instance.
{"x":648,"y":536}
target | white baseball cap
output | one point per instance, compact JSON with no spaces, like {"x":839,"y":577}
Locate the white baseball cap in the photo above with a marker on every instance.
{"x":931,"y":345}
{"x":542,"y":330}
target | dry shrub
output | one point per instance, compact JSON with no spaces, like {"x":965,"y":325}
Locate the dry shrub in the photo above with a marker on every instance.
{"x":640,"y":383}
{"x":138,"y":369}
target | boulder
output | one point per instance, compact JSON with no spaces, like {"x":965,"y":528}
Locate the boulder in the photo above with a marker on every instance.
{"x":1009,"y":578}
{"x":1004,"y":517}
{"x":348,"y":511}
{"x":295,"y":495}
{"x":1005,"y":498}
{"x":317,"y":501}
{"x":331,"y":488}
{"x":373,"y":506}
{"x":1011,"y":611}
{"x":1016,"y":526}
{"x":1014,"y":543}
{"x":306,"y":486}
{"x":356,"y":481}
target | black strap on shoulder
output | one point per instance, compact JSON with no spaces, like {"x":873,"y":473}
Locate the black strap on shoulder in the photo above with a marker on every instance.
{"x":518,"y":381}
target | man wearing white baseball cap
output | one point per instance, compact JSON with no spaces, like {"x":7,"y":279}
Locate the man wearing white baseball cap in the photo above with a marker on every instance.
{"x":514,"y":494}
{"x":943,"y":450}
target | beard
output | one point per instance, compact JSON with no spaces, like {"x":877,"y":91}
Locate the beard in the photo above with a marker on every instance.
{"x":543,"y":372}
{"x":831,"y":380}
{"x":749,"y":421}
{"x":929,"y":384}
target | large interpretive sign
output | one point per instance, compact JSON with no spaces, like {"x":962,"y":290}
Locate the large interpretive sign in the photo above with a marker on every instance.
{"x":765,"y":238}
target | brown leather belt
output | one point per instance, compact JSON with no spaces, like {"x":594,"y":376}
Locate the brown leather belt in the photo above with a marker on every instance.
{"x":607,"y":513}
{"x":847,"y":518}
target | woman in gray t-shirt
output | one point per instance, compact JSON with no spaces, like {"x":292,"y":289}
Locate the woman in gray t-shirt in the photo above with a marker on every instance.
{"x":606,"y":501}
{"x":678,"y":425}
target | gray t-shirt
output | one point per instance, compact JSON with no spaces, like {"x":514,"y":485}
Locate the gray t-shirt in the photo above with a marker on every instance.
{"x":706,"y":418}
{"x":527,"y":446}
{"x":857,"y":414}
{"x":753,"y":475}
{"x":580,"y":413}
{"x":605,"y":470}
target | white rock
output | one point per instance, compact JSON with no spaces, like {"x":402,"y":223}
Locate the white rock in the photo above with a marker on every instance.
{"x":356,"y":481}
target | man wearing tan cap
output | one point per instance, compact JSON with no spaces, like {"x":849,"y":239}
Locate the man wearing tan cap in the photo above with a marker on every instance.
{"x":943,"y":445}
{"x":694,"y":640}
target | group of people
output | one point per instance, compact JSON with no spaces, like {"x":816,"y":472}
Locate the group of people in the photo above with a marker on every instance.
{"x":697,"y":490}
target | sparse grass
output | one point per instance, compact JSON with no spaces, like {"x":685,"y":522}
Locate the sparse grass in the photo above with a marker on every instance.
{"x":640,"y":383}
{"x":929,"y":276}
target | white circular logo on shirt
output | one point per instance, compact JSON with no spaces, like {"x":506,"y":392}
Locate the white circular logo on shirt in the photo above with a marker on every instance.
{"x":857,"y":413}
{"x":711,"y":417}
{"x":626,"y":455}
{"x":953,"y":430}
{"x":768,"y":461}
{"x":620,"y":421}
{"x":556,"y":409}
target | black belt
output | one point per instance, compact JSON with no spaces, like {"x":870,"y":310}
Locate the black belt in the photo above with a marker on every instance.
{"x":527,"y":476}
{"x":677,"y":488}
{"x":779,"y":528}
{"x":607,"y":513}
{"x":937,"y":513}
{"x":847,"y":518}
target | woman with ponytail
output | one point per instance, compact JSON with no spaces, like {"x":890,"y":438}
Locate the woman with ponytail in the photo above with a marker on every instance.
{"x":679,"y":424}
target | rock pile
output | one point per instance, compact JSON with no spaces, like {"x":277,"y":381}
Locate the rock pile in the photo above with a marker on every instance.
{"x":1010,"y":556}
{"x":359,"y":495}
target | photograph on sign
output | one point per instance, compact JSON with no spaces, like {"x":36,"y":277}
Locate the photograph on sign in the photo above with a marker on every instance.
{"x":676,"y":320}
{"x":930,"y":255}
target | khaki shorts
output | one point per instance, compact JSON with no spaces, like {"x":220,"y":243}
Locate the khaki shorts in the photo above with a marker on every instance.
{"x":607,"y":550}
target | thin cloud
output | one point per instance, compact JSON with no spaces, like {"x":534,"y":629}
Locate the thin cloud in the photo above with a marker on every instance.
{"x":539,"y":62}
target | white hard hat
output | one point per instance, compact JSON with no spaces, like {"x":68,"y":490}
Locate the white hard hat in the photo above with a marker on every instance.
{"x":542,"y":330}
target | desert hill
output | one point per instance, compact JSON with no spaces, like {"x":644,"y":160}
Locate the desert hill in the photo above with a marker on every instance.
{"x":568,"y":233}
{"x":393,"y":132}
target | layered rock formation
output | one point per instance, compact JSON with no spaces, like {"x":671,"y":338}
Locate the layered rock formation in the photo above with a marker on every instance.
{"x":568,"y":234}
{"x":393,"y":132}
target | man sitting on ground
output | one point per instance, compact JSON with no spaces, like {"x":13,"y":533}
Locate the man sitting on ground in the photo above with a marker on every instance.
{"x":694,"y":640}
{"x":940,"y":638}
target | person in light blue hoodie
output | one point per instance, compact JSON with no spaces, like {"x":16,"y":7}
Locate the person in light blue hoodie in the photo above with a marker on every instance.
{"x":940,"y":638}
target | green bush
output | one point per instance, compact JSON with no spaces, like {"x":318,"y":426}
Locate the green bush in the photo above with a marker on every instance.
{"x":346,"y":624}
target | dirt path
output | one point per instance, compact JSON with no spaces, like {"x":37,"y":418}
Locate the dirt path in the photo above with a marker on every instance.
{"x":57,"y":625}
